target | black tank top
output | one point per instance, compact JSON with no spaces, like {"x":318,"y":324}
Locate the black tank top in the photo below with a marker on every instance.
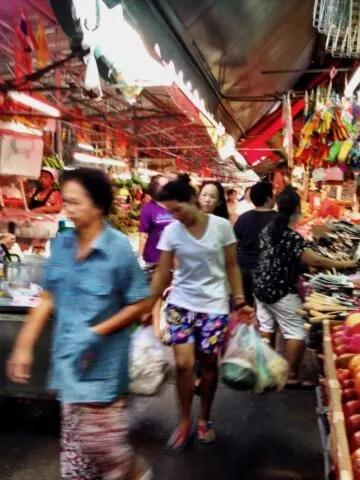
{"x":39,"y":203}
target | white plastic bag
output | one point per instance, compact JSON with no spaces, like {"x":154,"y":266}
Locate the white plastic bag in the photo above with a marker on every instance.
{"x":147,"y":366}
{"x":164,"y":333}
{"x":247,"y":354}
{"x":276,"y":365}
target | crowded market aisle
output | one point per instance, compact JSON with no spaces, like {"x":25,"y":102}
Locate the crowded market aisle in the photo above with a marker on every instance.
{"x":271,"y":436}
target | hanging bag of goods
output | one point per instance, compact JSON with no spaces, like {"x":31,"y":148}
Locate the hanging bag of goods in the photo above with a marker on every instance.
{"x":250,"y":364}
{"x":334,"y":152}
{"x":345,"y":150}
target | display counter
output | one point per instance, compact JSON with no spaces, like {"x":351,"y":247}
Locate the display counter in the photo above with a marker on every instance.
{"x":10,"y":324}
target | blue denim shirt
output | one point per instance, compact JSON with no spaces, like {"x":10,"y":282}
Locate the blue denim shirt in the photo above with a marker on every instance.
{"x":87,"y":293}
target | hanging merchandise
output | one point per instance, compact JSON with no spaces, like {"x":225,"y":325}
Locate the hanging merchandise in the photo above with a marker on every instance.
{"x":330,"y":134}
{"x":334,"y":174}
{"x":355,"y":156}
{"x":288,"y":128}
{"x":318,"y":175}
{"x":42,"y":52}
{"x":24,"y":44}
{"x":339,"y":21}
{"x":92,"y":78}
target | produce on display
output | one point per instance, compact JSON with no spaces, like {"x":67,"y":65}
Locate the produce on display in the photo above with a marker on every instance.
{"x":54,"y":161}
{"x":129,"y":198}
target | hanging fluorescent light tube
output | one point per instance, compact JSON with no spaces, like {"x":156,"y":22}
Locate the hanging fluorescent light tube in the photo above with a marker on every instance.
{"x":353,"y":84}
{"x":147,"y":171}
{"x":85,"y":146}
{"x":86,"y":158}
{"x":34,"y":103}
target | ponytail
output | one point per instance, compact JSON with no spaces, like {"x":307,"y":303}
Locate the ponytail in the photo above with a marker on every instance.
{"x":288,"y":203}
{"x":278,"y":226}
{"x":179,"y":189}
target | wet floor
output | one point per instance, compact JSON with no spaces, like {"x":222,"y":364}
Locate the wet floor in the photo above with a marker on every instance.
{"x":273,"y":436}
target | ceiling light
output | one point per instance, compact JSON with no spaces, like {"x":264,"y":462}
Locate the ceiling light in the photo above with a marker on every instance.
{"x":20,"y":128}
{"x":34,"y":103}
{"x":147,"y":171}
{"x":85,"y":146}
{"x":86,"y":158}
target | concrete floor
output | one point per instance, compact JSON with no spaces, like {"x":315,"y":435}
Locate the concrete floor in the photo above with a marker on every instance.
{"x":273,"y":436}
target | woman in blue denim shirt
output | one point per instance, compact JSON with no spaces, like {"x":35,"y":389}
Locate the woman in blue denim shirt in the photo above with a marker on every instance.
{"x":94,"y":289}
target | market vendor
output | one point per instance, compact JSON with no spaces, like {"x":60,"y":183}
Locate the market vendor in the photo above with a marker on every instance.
{"x":46,"y":198}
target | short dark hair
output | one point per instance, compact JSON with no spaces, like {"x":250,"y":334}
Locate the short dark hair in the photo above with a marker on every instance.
{"x":95,"y":182}
{"x":231,"y":191}
{"x":178,"y":189}
{"x":153,"y":188}
{"x":260,"y":193}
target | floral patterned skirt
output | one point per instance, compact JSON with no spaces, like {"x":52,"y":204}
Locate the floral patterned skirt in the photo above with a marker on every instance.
{"x":94,"y":443}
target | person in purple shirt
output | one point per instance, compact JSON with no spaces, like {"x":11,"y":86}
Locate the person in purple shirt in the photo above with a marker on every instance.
{"x":153,"y":219}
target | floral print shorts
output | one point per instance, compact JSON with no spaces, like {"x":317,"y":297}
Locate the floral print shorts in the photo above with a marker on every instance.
{"x":206,"y":330}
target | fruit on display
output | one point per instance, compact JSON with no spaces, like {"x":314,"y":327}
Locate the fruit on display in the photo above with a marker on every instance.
{"x":125,"y":214}
{"x":343,"y":375}
{"x":355,"y":442}
{"x":353,"y":323}
{"x":354,"y":364}
{"x":122,"y":221}
{"x":349,"y":394}
{"x":353,"y":424}
{"x":54,"y":161}
{"x":349,"y":383}
{"x":357,"y":382}
{"x":355,"y":460}
{"x":351,"y":408}
{"x":341,"y":349}
{"x":343,"y":360}
{"x":347,"y":340}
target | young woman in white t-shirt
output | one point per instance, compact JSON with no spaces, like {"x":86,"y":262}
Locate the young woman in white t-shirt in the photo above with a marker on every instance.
{"x":198,"y":305}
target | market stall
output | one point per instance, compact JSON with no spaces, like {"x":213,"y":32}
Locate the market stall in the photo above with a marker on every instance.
{"x":141,"y":119}
{"x":330,"y":312}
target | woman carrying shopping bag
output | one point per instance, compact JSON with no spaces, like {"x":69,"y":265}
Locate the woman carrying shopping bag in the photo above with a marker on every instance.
{"x":282,"y":251}
{"x":198,"y":305}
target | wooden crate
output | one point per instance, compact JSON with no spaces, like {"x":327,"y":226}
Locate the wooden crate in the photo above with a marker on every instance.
{"x":339,"y":444}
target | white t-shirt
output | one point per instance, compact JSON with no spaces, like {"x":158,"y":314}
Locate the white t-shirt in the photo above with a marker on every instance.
{"x":243,"y":207}
{"x":200,"y":281}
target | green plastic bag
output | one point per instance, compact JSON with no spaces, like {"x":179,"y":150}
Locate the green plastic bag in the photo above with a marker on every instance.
{"x":251,"y":364}
{"x":237,"y":373}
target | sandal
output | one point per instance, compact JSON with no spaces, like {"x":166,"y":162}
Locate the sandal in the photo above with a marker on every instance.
{"x":206,"y":433}
{"x":180,"y":439}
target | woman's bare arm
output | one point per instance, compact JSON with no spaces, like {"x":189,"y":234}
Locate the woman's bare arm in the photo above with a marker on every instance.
{"x":142,"y":243}
{"x":233,"y":271}
{"x":311,"y":258}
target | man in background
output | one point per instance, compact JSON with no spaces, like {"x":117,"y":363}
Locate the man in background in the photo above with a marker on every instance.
{"x":245,"y":203}
{"x":247,"y":229}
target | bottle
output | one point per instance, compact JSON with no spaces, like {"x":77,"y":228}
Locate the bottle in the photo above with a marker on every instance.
{"x":65,"y":225}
